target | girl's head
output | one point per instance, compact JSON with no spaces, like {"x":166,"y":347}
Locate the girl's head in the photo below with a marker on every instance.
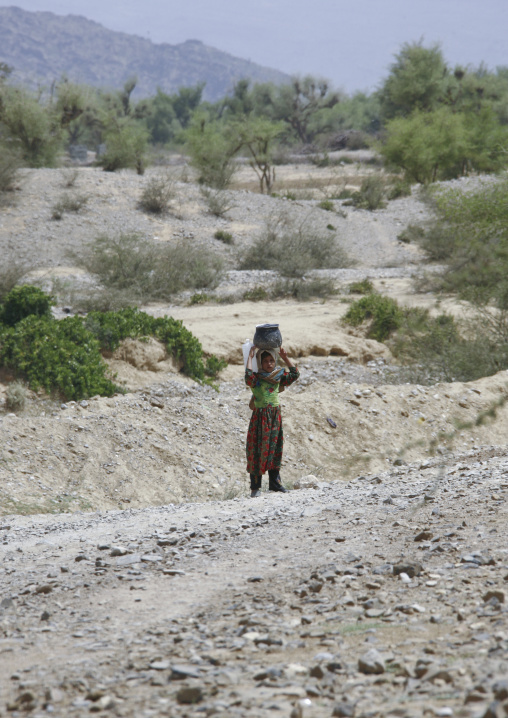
{"x":267,"y":362}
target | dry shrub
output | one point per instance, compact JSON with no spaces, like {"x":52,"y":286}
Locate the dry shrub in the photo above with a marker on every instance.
{"x":141,"y":270}
{"x":218,"y":201}
{"x":371,"y":194}
{"x":69,"y":176}
{"x":157,"y":194}
{"x":68,"y":203}
{"x":294,"y":247}
{"x":16,"y":396}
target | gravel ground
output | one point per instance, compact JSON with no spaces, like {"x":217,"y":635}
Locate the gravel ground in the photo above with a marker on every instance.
{"x":382,"y":597}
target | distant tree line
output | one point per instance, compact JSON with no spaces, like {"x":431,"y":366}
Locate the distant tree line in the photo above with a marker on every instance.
{"x":427,"y":119}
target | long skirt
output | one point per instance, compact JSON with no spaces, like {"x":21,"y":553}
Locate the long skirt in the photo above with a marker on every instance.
{"x":265,"y":440}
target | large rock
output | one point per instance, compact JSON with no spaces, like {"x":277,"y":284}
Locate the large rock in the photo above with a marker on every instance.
{"x":371,"y":662}
{"x":145,"y":355}
{"x":307,"y":482}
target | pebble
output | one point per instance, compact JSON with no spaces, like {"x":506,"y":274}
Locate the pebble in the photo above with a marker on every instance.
{"x":45,"y":588}
{"x":494,"y":593}
{"x":343,"y":710}
{"x":411,"y":569}
{"x":118,"y":551}
{"x":189,"y":695}
{"x":371,"y":662}
{"x":500,"y":690}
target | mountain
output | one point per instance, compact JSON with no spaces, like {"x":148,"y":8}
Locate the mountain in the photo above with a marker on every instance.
{"x":42,"y":46}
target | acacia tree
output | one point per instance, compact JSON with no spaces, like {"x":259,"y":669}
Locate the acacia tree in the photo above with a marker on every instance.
{"x":240,"y":103}
{"x":212,"y":146}
{"x":126,"y":143}
{"x":31,"y":125}
{"x":168,"y":114}
{"x":258,"y":135}
{"x":426,"y":145}
{"x":442,"y":144}
{"x":71,"y":101}
{"x":417,"y":81}
{"x":299,"y":102}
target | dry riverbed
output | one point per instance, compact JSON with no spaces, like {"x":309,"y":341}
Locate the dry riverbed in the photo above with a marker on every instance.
{"x":383,"y":596}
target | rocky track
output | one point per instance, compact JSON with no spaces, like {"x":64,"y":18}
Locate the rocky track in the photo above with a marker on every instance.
{"x":385,"y":596}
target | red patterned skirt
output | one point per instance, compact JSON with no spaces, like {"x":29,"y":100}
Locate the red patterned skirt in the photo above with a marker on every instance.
{"x":265,"y":440}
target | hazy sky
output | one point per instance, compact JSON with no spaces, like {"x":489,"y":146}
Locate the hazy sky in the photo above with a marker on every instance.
{"x":350,"y":42}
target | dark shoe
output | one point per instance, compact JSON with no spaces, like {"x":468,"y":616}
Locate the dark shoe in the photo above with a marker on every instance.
{"x":255,"y":493}
{"x":255,"y":482}
{"x":276,"y":485}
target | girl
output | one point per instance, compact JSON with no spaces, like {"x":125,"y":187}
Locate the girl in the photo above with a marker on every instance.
{"x":265,"y":437}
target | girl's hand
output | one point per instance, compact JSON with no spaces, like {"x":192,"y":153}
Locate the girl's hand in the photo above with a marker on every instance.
{"x":252,"y":352}
{"x":284,"y":356}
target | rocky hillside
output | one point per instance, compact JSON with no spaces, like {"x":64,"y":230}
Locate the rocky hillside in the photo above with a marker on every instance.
{"x":42,"y":46}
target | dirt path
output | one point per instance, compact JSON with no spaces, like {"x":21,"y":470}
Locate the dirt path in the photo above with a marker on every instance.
{"x":248,"y":607}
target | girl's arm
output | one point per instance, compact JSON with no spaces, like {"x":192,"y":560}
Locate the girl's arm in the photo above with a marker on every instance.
{"x":285,"y":358}
{"x":293,"y":375}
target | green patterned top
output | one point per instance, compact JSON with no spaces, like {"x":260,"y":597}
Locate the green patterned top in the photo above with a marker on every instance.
{"x":265,"y":393}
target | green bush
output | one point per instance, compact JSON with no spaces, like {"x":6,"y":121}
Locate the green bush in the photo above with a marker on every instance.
{"x":60,"y":357}
{"x":371,"y":195}
{"x":9,"y":278}
{"x":443,"y":144}
{"x":225,"y":237}
{"x":64,"y":356}
{"x":110,"y":328}
{"x":412,"y":233}
{"x":327,"y":205}
{"x":426,"y":145}
{"x":431,"y":349}
{"x":126,"y":144}
{"x":470,"y":234}
{"x":384,"y":314}
{"x":256,"y":294}
{"x":401,"y":188}
{"x":214,"y":365}
{"x":211,"y":147}
{"x":293,"y":248}
{"x":199,"y":298}
{"x":34,"y":126}
{"x":24,"y":301}
{"x":364,"y":286}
